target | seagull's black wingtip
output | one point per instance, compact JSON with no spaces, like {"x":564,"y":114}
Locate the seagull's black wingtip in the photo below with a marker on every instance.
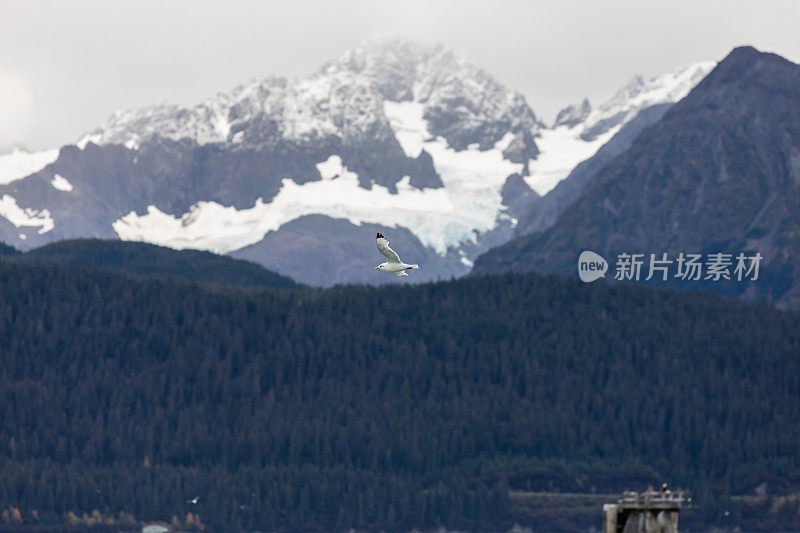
{"x":380,"y":236}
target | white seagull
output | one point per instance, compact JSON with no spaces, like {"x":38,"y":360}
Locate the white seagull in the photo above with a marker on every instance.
{"x":393,"y":265}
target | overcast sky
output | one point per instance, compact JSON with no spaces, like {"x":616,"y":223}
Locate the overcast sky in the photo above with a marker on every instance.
{"x":65,"y":65}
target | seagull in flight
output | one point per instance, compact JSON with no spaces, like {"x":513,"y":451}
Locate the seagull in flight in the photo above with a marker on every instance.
{"x":194,"y":500}
{"x":394,"y":264}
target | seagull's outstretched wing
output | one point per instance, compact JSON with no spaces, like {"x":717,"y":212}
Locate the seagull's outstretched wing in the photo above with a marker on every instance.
{"x":383,"y":248}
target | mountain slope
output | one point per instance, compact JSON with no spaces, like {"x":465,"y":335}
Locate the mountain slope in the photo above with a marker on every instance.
{"x":720,"y":173}
{"x":142,"y":259}
{"x":541,"y":212}
{"x":579,"y":131}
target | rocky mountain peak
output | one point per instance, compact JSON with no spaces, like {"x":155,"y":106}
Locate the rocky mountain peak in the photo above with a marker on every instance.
{"x":747,"y":68}
{"x":640,"y":93}
{"x":574,"y":114}
{"x":343,"y":102}
{"x":391,"y":64}
{"x":462,"y":102}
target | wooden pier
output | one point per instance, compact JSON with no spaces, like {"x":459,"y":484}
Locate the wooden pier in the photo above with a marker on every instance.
{"x":644,"y":512}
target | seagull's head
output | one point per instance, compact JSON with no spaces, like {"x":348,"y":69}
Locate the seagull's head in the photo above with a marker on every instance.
{"x":380,"y":267}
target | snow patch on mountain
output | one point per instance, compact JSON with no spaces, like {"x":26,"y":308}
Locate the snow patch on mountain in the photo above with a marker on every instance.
{"x":562,"y":148}
{"x":469,"y":203}
{"x":580,"y":131}
{"x":222,"y":229}
{"x":409,"y":126}
{"x":19,"y":163}
{"x":60,"y":183}
{"x":641,"y":93}
{"x":25,"y":216}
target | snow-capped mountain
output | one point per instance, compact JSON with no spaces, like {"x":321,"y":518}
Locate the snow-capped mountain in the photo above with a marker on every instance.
{"x":419,"y":101}
{"x":344,"y":99}
{"x":641,"y":93}
{"x":394,"y":136}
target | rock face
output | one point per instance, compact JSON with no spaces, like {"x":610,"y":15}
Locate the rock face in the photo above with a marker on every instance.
{"x":719,"y":173}
{"x":411,"y":139}
{"x":573,"y":115}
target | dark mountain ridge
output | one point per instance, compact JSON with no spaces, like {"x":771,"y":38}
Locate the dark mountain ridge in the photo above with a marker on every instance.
{"x":148,"y":260}
{"x":719,"y":173}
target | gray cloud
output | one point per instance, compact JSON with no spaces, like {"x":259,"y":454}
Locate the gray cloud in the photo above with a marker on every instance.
{"x":81,"y":60}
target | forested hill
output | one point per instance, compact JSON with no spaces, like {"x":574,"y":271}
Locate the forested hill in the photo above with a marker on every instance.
{"x":384,"y":407}
{"x":143,"y":259}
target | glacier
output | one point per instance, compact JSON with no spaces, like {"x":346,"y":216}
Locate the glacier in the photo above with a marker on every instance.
{"x":439,"y":217}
